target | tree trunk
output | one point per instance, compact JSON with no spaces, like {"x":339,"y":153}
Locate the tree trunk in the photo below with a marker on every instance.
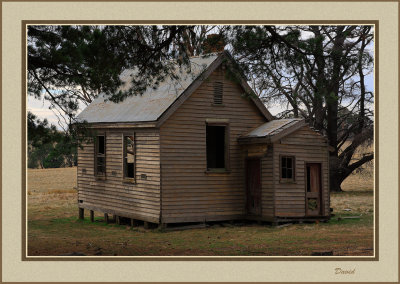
{"x":335,"y":175}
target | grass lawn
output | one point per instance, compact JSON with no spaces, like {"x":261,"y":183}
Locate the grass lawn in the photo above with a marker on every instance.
{"x":54,"y":229}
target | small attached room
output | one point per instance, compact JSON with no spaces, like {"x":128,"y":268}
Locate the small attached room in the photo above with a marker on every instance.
{"x":287,"y":166}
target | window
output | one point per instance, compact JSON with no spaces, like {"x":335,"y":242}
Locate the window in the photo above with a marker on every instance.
{"x":218,"y":93}
{"x":287,"y":168}
{"x":129,"y":157}
{"x":217,"y":147}
{"x":100,"y":156}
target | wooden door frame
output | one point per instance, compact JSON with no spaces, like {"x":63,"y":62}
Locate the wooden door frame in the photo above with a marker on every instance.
{"x":322,"y":192}
{"x":259,"y":158}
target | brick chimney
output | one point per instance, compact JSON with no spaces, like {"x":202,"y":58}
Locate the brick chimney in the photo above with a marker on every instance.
{"x":213,"y":43}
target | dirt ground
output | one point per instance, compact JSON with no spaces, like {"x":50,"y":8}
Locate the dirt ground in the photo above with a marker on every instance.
{"x":54,"y":229}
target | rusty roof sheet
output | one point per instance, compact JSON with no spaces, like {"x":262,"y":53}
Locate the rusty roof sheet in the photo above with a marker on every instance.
{"x":273,"y":127}
{"x":151,"y":104}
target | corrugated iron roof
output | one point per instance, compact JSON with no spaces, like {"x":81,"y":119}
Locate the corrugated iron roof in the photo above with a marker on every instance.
{"x":273,"y":127}
{"x":152,"y":103}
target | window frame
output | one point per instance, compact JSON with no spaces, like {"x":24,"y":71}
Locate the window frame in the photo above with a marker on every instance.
{"x":226,"y":169}
{"x":124,"y":155}
{"x":293,"y":178}
{"x":97,"y":155}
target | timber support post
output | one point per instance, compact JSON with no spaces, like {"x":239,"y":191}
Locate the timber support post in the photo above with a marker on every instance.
{"x":91,"y":216}
{"x":118,"y":220}
{"x":106,"y":218}
{"x":81,"y":213}
{"x":146,"y":225}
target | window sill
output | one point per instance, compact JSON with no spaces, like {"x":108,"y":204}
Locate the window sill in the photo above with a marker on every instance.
{"x":287,"y":181}
{"x":217,"y":171}
{"x":100,"y":178}
{"x":129,"y":180}
{"x":217,"y":105}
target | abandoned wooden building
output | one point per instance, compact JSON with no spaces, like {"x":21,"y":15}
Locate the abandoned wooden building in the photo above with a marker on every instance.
{"x":201,"y":149}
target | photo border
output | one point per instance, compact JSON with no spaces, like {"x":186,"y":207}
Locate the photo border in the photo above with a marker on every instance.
{"x":381,"y":276}
{"x":26,"y":257}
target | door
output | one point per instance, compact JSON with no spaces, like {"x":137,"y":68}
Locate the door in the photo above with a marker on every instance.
{"x":253,"y":186}
{"x":314,"y":189}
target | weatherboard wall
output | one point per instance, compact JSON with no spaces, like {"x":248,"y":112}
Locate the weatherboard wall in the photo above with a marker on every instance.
{"x":140,"y":200}
{"x":308,"y":146}
{"x":267,"y":185}
{"x":189,"y":193}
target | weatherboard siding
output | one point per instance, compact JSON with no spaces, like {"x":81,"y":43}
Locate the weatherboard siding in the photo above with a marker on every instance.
{"x":307,"y":146}
{"x":267,"y":184}
{"x":140,"y":200}
{"x":188,"y":192}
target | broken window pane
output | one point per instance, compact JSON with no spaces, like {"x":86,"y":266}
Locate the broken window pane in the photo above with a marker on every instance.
{"x":129,"y":159}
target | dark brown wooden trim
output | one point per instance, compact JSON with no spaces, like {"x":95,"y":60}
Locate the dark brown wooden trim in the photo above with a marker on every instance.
{"x":202,"y":21}
{"x":96,"y":155}
{"x":287,"y":180}
{"x":273,"y":178}
{"x":24,"y":250}
{"x":254,"y":140}
{"x":227,"y":147}
{"x":124,"y":178}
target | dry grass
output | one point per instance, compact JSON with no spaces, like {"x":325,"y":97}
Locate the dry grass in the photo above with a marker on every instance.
{"x":361,"y":179}
{"x":51,"y":180}
{"x":53,"y":229}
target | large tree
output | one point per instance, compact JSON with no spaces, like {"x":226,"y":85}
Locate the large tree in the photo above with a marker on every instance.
{"x":70,"y":65}
{"x":319,"y":73}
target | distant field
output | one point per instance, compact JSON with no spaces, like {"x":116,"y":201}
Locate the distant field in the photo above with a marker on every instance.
{"x":54,"y":229}
{"x":48,"y":180}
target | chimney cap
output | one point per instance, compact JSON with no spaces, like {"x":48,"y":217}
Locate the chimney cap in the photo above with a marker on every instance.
{"x":214,"y":43}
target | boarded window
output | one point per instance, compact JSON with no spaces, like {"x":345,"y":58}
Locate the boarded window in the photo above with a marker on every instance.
{"x":100,"y":156}
{"x":218,"y":93}
{"x":287,"y":167}
{"x":129,"y":157}
{"x":216,"y":151}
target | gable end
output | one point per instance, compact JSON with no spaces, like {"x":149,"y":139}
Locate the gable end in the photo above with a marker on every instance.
{"x":201,"y":78}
